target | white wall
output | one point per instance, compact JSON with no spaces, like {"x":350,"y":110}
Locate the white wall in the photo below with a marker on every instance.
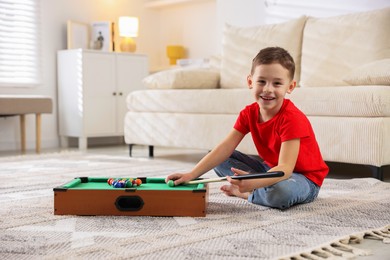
{"x":234,"y":12}
{"x":192,"y":25}
{"x":283,"y":10}
{"x":198,"y":25}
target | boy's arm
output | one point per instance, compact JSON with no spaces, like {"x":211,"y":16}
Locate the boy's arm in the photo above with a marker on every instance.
{"x":287,"y":159}
{"x":288,"y":156}
{"x":218,"y":155}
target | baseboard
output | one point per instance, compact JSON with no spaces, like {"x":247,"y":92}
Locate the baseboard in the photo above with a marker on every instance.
{"x":30,"y":145}
{"x":73,"y":142}
{"x":55,"y":143}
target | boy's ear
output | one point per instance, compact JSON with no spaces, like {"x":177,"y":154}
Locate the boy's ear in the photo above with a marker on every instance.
{"x":249,"y":81}
{"x":293,"y":84}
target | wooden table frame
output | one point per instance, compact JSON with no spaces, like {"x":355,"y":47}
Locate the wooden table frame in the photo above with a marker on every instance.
{"x":133,"y":201}
{"x":37,"y":132}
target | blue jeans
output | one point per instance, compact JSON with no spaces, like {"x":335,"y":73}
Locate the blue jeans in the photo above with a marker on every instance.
{"x":295,"y":190}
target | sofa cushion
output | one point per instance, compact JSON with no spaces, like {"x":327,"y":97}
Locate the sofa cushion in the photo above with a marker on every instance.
{"x":240,"y":46}
{"x":206,"y":101}
{"x":359,"y":101}
{"x":179,"y":78}
{"x":333,"y":47}
{"x":374,"y":73}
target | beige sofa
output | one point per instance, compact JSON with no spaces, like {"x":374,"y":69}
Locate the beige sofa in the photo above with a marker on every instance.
{"x":343,"y":70}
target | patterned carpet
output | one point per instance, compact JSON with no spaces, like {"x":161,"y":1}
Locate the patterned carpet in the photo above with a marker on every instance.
{"x":233,"y":229}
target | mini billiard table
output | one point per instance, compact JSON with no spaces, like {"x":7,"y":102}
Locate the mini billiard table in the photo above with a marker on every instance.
{"x":94,"y":196}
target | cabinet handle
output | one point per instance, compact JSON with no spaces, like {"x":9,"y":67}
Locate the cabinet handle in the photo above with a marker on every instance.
{"x":120,"y":93}
{"x":114,"y":93}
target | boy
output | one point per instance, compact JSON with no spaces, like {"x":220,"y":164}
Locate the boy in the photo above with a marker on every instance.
{"x":283,"y":137}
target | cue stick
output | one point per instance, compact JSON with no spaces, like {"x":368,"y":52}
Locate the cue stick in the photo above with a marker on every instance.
{"x":240,"y":177}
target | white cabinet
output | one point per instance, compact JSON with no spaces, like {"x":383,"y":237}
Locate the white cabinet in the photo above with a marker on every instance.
{"x":92,"y":90}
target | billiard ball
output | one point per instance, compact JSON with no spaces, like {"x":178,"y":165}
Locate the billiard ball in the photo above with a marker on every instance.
{"x":118,"y":184}
{"x":138,"y":182}
{"x":110,"y":181}
{"x":171,"y":183}
{"x":128,"y":184}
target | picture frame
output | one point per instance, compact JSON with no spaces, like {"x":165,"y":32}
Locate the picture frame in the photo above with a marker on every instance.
{"x":78,"y":35}
{"x":102,"y":36}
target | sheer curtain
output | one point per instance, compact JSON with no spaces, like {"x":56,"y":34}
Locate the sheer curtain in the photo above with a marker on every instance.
{"x":20,"y":64}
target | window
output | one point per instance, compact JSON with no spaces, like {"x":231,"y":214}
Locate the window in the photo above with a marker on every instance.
{"x":19,"y":43}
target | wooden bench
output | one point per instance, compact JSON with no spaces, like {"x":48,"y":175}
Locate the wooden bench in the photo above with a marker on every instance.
{"x":21,"y":105}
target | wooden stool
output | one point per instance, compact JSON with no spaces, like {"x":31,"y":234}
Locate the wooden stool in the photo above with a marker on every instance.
{"x":20,"y":105}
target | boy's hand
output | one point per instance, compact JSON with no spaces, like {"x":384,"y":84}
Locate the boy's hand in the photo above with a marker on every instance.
{"x":179,"y":178}
{"x":243,"y":185}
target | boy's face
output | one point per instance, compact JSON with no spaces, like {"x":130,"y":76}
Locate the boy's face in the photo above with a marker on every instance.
{"x":269,"y":84}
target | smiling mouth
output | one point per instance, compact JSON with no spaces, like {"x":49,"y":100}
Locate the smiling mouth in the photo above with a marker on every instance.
{"x":267,"y":98}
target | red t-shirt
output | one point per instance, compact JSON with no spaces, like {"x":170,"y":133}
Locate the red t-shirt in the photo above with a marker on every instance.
{"x":289,"y":123}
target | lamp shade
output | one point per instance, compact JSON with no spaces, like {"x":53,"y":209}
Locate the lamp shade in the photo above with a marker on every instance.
{"x":128,"y":26}
{"x":175,"y":52}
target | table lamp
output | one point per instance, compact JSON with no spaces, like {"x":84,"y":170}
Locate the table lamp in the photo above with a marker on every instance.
{"x":175,"y":52}
{"x":128,"y":29}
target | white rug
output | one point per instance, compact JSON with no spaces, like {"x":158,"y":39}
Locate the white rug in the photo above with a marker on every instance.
{"x":233,"y":229}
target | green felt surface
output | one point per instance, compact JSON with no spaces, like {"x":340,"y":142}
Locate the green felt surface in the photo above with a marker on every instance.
{"x":100,"y":183}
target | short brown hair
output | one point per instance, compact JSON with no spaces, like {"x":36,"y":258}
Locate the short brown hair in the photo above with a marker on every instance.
{"x":274,"y":55}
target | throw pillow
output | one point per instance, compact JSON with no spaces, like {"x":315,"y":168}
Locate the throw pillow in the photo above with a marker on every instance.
{"x":240,"y":46}
{"x":374,"y":73}
{"x":334,"y":46}
{"x":193,"y":78}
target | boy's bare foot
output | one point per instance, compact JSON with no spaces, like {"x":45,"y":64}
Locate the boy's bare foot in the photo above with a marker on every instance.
{"x":232,"y":190}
